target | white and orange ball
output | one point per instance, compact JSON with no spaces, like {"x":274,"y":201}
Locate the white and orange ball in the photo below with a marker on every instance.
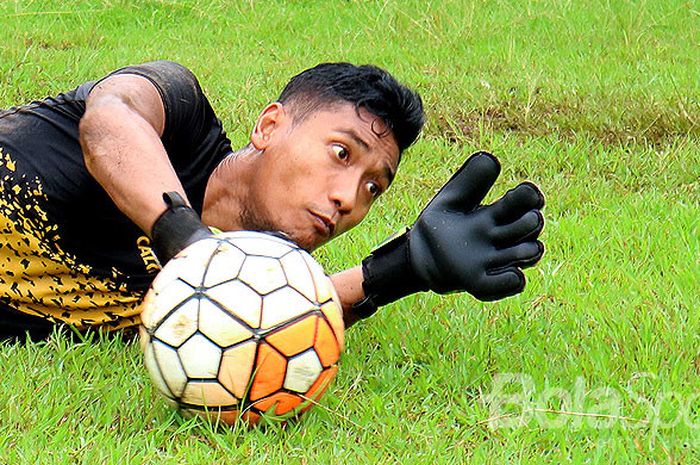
{"x":241,"y":324}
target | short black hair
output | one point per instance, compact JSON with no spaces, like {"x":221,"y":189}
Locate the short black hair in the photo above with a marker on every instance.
{"x":365,"y":86}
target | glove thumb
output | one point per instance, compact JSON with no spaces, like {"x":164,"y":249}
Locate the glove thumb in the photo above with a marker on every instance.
{"x":469,"y":185}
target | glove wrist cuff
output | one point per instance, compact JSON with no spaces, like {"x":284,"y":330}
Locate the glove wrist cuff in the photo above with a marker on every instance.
{"x":176,"y":228}
{"x":388,"y":274}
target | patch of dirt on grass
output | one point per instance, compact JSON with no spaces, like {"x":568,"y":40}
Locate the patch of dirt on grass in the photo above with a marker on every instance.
{"x":612,"y":123}
{"x":48,"y":44}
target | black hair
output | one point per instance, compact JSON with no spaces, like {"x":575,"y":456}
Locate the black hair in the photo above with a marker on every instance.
{"x":366,"y":86}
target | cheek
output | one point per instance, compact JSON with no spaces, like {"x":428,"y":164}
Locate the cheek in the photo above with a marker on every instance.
{"x":296,"y":172}
{"x":309,"y":182}
{"x":281,"y":182}
{"x":300,"y":179}
{"x":290,"y":196}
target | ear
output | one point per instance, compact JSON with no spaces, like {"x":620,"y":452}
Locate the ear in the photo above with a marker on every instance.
{"x":267,"y":124}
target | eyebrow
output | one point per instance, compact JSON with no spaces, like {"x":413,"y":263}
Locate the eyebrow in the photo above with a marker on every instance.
{"x":353,"y":135}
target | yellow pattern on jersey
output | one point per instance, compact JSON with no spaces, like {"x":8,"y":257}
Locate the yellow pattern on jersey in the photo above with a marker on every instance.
{"x":46,"y":281}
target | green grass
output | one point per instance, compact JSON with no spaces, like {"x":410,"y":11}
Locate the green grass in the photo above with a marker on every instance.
{"x":598,"y":102}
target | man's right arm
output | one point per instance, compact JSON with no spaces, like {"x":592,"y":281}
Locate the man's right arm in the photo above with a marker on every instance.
{"x":120,"y":137}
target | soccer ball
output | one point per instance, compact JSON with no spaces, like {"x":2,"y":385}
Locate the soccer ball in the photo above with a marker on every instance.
{"x":240,"y":324}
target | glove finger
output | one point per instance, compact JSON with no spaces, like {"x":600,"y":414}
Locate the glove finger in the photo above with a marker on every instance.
{"x":522,"y":255}
{"x":516,"y":202}
{"x":469,"y":185}
{"x":496,"y":286}
{"x":527,"y":227}
{"x":532,"y":236}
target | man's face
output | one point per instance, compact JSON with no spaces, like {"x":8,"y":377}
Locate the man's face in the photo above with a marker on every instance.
{"x":318,"y":176}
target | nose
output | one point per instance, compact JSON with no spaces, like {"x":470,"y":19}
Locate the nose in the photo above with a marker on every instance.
{"x":343,"y":194}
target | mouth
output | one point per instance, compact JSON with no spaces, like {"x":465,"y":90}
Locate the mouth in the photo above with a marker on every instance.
{"x":323,"y":224}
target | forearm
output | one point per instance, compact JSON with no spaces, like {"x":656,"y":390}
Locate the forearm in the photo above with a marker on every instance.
{"x":348,"y":284}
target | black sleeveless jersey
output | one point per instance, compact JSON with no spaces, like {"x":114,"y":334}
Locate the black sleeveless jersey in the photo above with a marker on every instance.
{"x":66,"y":252}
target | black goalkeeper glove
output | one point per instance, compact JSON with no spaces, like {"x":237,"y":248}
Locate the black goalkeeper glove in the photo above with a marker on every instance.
{"x":175,"y":229}
{"x":456,"y":244}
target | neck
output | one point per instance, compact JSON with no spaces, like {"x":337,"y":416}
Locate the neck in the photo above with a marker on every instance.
{"x":225,"y":194}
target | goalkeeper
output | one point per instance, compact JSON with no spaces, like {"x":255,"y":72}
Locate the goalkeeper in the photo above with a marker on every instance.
{"x":102,"y":185}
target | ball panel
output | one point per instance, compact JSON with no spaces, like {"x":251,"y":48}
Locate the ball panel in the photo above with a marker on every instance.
{"x":326,"y":345}
{"x":229,"y":417}
{"x":200,"y":357}
{"x":302,"y":371}
{"x":202,"y":248}
{"x":234,"y":236}
{"x":195,"y":259}
{"x":263,"y":246}
{"x":180,"y":325}
{"x":225,"y":265}
{"x":324,"y":288}
{"x":283,"y":305}
{"x":169,"y":274}
{"x":282,"y":402}
{"x":295,"y":338}
{"x":220,"y":326}
{"x":170,"y":367}
{"x":157,"y":304}
{"x":336,"y":299}
{"x":298,"y":275}
{"x":150,"y":312}
{"x":322,"y":283}
{"x":320,"y":385}
{"x":154,"y":371}
{"x":262,"y":274}
{"x":239,"y":300}
{"x":236,"y":368}
{"x":144,"y":338}
{"x":207,"y":394}
{"x":212,"y":415}
{"x":335,"y":317}
{"x":250,"y":417}
{"x":269,"y":372}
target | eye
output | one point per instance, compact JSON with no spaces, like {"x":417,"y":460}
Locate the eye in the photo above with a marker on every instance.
{"x":341,"y":152}
{"x":374,"y":189}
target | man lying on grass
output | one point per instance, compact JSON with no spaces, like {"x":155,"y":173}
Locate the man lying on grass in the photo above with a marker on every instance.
{"x":94,"y":178}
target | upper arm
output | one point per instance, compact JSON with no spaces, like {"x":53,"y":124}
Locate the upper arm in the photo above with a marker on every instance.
{"x":164,"y":95}
{"x":138,"y":93}
{"x":187,"y":116}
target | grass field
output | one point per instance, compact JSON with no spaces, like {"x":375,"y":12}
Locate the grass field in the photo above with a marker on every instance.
{"x":597,"y":362}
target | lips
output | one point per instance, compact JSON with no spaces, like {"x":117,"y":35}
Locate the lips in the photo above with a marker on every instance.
{"x":323,"y":224}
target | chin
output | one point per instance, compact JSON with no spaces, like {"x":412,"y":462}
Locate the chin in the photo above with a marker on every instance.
{"x":308,"y":245}
{"x":306,"y":241}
